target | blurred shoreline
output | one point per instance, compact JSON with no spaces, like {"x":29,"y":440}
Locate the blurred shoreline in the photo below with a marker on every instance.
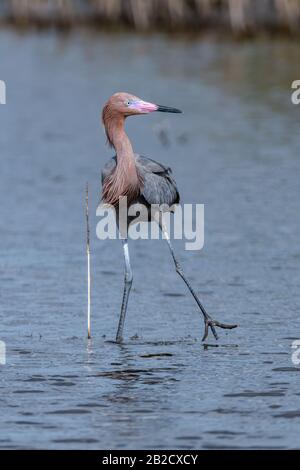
{"x":238,"y":17}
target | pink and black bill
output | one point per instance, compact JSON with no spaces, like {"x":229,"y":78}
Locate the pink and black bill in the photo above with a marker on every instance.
{"x":144,"y":107}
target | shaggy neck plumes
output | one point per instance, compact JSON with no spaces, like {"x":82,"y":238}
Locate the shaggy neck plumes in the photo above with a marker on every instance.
{"x":124,"y":180}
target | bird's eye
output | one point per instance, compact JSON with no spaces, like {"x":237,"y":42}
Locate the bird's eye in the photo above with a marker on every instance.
{"x":127,"y":102}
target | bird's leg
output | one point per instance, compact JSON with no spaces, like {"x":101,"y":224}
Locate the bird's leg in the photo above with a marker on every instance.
{"x":127,"y":287}
{"x":208,"y":321}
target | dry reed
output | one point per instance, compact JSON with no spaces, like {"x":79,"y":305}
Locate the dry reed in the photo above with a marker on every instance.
{"x":88,"y":253}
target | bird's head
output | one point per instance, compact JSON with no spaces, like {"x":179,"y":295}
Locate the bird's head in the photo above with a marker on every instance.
{"x":121,"y":105}
{"x":125,"y":104}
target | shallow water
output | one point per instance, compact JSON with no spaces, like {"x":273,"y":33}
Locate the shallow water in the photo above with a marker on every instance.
{"x":236,"y":149}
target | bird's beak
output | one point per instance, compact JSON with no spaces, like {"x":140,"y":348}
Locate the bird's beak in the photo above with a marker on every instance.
{"x":144,"y":107}
{"x":167,"y":109}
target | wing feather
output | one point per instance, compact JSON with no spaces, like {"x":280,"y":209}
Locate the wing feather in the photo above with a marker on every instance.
{"x":159,"y":185}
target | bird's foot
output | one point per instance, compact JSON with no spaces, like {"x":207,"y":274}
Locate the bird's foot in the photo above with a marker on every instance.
{"x":210,"y":323}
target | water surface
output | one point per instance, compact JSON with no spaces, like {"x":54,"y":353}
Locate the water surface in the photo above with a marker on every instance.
{"x":236,"y":149}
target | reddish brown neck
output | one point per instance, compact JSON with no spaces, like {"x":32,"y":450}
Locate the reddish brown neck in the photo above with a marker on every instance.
{"x":121,"y":142}
{"x":125,"y":180}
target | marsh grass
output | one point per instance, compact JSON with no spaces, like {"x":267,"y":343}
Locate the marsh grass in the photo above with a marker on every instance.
{"x":238,"y":15}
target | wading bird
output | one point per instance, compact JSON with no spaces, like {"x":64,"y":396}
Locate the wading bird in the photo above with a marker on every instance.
{"x":142,"y":181}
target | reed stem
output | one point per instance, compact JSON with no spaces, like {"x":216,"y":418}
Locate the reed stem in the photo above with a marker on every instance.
{"x":88,"y":253}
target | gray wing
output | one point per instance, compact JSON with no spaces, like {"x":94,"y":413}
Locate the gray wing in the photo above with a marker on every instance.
{"x":159,"y":184}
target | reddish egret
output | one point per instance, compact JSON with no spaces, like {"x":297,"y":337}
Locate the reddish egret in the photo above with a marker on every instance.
{"x":143,"y":181}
